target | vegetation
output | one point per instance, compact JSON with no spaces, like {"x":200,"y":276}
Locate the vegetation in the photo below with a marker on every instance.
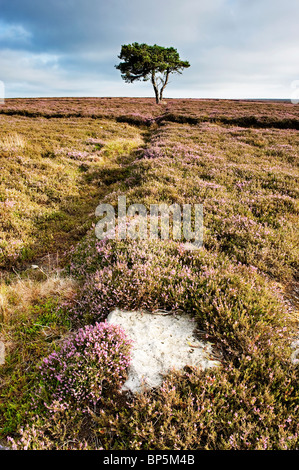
{"x":240,"y":288}
{"x":94,"y":358}
{"x":155,"y":63}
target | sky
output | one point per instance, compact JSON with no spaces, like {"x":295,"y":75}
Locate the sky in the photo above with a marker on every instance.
{"x":236,"y":48}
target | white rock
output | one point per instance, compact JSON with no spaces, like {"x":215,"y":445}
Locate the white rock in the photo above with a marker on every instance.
{"x":160,"y":343}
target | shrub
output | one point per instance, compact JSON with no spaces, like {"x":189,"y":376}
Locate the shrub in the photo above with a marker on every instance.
{"x":64,"y":431}
{"x":211,"y":410}
{"x":93,"y":359}
{"x":60,"y":429}
{"x":233,"y":303}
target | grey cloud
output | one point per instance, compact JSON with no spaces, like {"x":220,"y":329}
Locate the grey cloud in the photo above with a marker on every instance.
{"x":75,"y":44}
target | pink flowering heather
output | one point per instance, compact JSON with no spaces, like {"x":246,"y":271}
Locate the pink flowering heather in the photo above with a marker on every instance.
{"x":94,"y":358}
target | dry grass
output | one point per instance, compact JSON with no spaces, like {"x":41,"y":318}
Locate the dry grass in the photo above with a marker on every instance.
{"x":12,"y":142}
{"x":24,"y":293}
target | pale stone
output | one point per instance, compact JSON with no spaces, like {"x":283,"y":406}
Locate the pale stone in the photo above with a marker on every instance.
{"x":160,"y":343}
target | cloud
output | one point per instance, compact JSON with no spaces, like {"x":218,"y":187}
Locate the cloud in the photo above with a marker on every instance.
{"x":42,"y":75}
{"x":70,"y":48}
{"x":14,"y":35}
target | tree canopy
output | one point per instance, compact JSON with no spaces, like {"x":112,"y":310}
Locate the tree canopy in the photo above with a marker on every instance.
{"x":155,"y":63}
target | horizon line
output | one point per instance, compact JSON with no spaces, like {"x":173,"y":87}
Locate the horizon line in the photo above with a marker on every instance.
{"x":146,"y":97}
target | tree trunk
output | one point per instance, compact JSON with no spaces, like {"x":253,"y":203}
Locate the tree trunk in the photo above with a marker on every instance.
{"x":156,"y":89}
{"x":164,"y":85}
{"x":157,"y":95}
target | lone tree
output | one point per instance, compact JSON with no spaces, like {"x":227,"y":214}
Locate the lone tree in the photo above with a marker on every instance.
{"x":155,"y":63}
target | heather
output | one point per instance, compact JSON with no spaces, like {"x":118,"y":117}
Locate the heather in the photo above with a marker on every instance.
{"x":228,"y":300}
{"x":240,"y":287}
{"x":246,"y":180}
{"x":92,"y":360}
{"x":138,"y":111}
{"x":144,"y":110}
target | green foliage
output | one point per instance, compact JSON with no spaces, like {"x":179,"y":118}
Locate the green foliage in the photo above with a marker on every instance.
{"x":141,"y":61}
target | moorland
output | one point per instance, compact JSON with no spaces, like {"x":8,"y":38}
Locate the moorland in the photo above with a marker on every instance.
{"x":60,"y":158}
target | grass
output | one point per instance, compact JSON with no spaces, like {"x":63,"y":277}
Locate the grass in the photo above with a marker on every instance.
{"x":48,"y":190}
{"x":238,"y":159}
